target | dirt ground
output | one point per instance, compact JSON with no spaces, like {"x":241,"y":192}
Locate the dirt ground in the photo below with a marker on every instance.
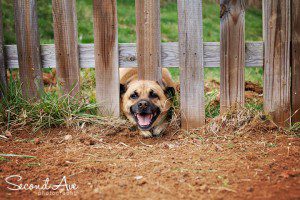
{"x":231,"y":158}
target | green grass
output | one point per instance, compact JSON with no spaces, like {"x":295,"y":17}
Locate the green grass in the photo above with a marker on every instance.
{"x":126,"y":20}
{"x":51,"y":110}
{"x":253,"y":74}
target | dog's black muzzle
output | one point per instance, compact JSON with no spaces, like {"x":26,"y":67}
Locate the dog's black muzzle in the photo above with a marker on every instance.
{"x":145,"y":113}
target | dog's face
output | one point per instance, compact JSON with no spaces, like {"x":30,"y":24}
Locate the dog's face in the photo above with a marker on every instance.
{"x":146,"y":103}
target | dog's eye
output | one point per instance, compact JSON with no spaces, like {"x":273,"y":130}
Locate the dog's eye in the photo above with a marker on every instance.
{"x":153,"y":95}
{"x":134,"y":96}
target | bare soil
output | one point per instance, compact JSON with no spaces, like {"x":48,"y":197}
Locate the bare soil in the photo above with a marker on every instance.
{"x":237,"y":156}
{"x":243,"y":158}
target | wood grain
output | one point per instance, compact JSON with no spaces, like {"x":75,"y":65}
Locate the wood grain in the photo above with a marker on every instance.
{"x":3,"y":75}
{"x":66,"y":45}
{"x":106,"y":56}
{"x":277,"y":60}
{"x":127,"y":55}
{"x":232,"y":79}
{"x":295,"y":60}
{"x":28,"y":42}
{"x":192,"y":103}
{"x":148,"y":39}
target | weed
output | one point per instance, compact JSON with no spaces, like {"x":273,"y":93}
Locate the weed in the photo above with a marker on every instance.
{"x":50,"y":111}
{"x":3,"y":159}
{"x":270,"y":144}
{"x":224,"y":181}
{"x":33,"y":164}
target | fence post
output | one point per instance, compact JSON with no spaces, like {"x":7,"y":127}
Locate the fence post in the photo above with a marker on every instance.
{"x":148,"y":39}
{"x":28,"y":43}
{"x":295,"y":61}
{"x":277,"y":60}
{"x":3,"y":75}
{"x":191,"y":64}
{"x":232,"y":57}
{"x":106,"y":56}
{"x":66,"y":45}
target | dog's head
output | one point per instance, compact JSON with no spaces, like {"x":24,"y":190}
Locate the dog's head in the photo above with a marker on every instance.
{"x":146,"y":103}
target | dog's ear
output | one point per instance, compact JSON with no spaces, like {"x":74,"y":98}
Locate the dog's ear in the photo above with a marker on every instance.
{"x":170,"y":92}
{"x":122,"y":89}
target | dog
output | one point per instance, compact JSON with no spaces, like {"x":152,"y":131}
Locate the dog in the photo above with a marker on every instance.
{"x":147,"y":104}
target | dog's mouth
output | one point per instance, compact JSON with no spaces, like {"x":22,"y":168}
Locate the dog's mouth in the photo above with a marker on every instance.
{"x":145,"y":120}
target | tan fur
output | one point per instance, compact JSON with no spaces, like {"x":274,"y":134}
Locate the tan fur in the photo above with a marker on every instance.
{"x":129,"y":78}
{"x":129,"y":74}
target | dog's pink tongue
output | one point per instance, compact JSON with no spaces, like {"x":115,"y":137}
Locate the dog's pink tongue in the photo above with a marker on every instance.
{"x":144,"y":120}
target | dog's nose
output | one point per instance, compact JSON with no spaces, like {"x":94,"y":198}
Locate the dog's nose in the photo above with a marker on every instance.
{"x":143,"y":104}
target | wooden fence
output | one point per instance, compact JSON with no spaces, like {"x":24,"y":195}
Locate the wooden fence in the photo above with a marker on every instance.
{"x":279,"y":53}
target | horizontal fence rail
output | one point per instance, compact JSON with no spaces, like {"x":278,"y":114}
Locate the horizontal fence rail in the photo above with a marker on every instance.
{"x":127,"y":55}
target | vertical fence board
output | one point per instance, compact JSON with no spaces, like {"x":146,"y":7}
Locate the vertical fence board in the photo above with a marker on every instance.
{"x":66,"y":45}
{"x":277,"y":60}
{"x":232,"y":55}
{"x":191,"y":64}
{"x":148,"y":39}
{"x":295,"y":61}
{"x":28,"y":43}
{"x":3,"y":78}
{"x":106,"y":56}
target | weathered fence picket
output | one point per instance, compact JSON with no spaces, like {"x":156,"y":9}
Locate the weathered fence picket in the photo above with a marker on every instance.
{"x":148,"y":39}
{"x":295,"y":61}
{"x":66,"y":45}
{"x":192,"y":103}
{"x":277,"y":101}
{"x":3,"y":76}
{"x":232,"y":81}
{"x":28,"y":42}
{"x":106,"y":56}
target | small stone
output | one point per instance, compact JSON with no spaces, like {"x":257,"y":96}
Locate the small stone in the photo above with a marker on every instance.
{"x":36,"y":140}
{"x":68,"y":137}
{"x":8,"y":134}
{"x":142,"y":182}
{"x":250,"y":189}
{"x":138,"y":177}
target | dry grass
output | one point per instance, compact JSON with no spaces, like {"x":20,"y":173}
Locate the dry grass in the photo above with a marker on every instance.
{"x":240,"y":122}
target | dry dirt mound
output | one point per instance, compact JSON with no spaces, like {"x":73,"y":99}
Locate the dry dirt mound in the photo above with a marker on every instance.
{"x":237,"y":156}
